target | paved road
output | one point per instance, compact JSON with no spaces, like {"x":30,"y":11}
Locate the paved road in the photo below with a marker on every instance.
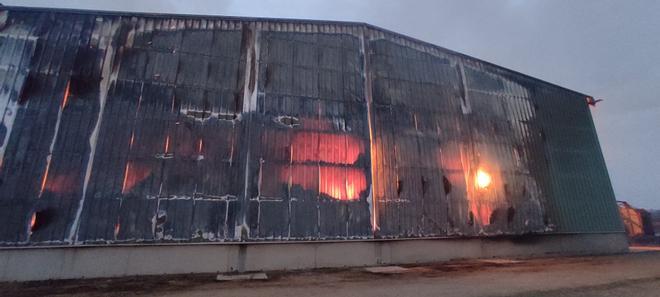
{"x":634,"y":274}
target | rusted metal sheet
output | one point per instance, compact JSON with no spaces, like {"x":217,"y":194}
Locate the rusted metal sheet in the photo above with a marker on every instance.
{"x":153,"y":128}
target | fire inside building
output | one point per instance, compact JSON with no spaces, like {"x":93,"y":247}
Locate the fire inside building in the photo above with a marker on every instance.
{"x":129,"y":131}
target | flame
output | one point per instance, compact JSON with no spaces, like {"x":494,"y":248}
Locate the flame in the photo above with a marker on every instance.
{"x":342,"y":183}
{"x":337,"y":182}
{"x":44,"y":178}
{"x":65,"y":100}
{"x":481,"y":212}
{"x":130,"y":144}
{"x":117,"y":228}
{"x":33,"y":221}
{"x":200,"y":146}
{"x":483,"y":179}
{"x":123,"y":185}
{"x":167,"y":144}
{"x":330,"y":176}
{"x":133,"y":175}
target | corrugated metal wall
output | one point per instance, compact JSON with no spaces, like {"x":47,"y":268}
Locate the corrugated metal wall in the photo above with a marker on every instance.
{"x":137,"y":128}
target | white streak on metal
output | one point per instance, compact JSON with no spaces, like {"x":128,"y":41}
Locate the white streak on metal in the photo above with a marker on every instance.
{"x":373,"y":206}
{"x":52,"y":146}
{"x":108,"y":76}
{"x":8,"y":122}
{"x":465,"y":103}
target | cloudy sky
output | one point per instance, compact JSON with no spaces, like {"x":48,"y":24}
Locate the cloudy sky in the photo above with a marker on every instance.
{"x":609,"y":49}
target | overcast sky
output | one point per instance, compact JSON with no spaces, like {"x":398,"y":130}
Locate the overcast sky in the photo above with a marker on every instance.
{"x":608,"y":49}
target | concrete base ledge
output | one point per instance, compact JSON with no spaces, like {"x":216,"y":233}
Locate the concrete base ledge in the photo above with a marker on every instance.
{"x":30,"y":264}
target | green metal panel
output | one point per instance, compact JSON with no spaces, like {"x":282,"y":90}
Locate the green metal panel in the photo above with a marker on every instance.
{"x":582,"y":199}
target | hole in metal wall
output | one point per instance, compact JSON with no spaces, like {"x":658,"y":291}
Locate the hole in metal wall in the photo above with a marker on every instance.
{"x":399,"y":187}
{"x":471,"y":218}
{"x":446,"y":184}
{"x":27,"y":90}
{"x":40,"y":219}
{"x":510,"y":214}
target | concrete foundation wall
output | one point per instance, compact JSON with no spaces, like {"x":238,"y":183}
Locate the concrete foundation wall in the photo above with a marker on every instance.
{"x":29,"y":264}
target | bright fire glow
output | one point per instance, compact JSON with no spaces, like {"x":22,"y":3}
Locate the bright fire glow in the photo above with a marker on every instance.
{"x":33,"y":221}
{"x":342,"y":183}
{"x":483,"y":179}
{"x":318,"y":163}
{"x":134,"y":173}
{"x":44,"y":178}
{"x":326,"y":147}
{"x":65,"y":99}
{"x":167,"y":144}
{"x":117,"y":227}
{"x":123,"y":186}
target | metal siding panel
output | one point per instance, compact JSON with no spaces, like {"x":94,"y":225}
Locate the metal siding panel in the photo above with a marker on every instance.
{"x":584,"y":199}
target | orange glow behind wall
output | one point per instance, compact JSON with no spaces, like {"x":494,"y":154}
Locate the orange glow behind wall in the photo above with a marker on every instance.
{"x":342,"y":183}
{"x":318,"y":162}
{"x":134,"y":173}
{"x":326,"y":148}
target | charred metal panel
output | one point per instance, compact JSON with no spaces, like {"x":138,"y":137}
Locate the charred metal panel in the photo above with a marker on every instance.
{"x":311,"y":172}
{"x":150,"y":128}
{"x":439,"y":122}
{"x":169,"y":136}
{"x":17,"y":47}
{"x":415,"y":104}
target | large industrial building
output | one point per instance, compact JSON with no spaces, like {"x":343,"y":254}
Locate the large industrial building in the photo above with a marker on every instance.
{"x":144,"y":144}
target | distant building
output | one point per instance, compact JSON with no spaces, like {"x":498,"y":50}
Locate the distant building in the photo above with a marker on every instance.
{"x":638,"y":222}
{"x":175,"y":144}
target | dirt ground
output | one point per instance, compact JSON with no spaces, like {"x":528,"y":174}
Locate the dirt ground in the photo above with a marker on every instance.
{"x":634,"y":274}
